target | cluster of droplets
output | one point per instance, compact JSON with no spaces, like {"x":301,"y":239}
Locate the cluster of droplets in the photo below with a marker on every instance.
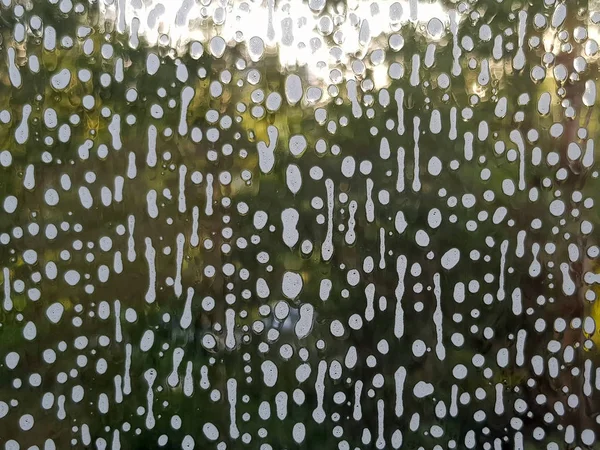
{"x":201,"y":230}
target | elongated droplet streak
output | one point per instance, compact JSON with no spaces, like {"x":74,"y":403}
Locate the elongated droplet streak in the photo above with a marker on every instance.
{"x":468,"y":148}
{"x":454,"y":401}
{"x":517,"y":304}
{"x":173,"y":379}
{"x":289,"y":221}
{"x":370,"y":295}
{"x":518,"y":441}
{"x":519,"y":59}
{"x":204,"y":381}
{"x":327,"y":246}
{"x":86,"y":438}
{"x":131,"y":241}
{"x":116,"y":442}
{"x":126,"y":375}
{"x":416,"y":136}
{"x":131,"y":166}
{"x":188,"y":380}
{"x":186,"y":316}
{"x":232,"y":398}
{"x":440,"y":350}
{"x":194,"y":238}
{"x":517,"y":138}
{"x":401,"y":264}
{"x":150,"y":376}
{"x":568,"y":286}
{"x":352,"y":96}
{"x":456,"y":51}
{"x":520,"y":248}
{"x":350,"y":237}
{"x":453,"y":133}
{"x":208,"y":210}
{"x":151,"y":197}
{"x":29,"y":178}
{"x":357,"y":412}
{"x":415,"y":67}
{"x":499,"y":405}
{"x":151,"y":260}
{"x":60,"y":404}
{"x":119,"y":182}
{"x":503,"y":249}
{"x":587,"y":378}
{"x":270,"y":27}
{"x":588,"y":157}
{"x":114,"y":128}
{"x":369,"y":204}
{"x":187,"y":94}
{"x":319,"y":413}
{"x":400,"y":179}
{"x":181,"y":199}
{"x":118,"y":332}
{"x":520,"y":357}
{"x":399,"y":379}
{"x":382,"y":248}
{"x":281,"y":401}
{"x":230,"y":328}
{"x":179,"y":263}
{"x":399,"y":97}
{"x":535,"y":267}
{"x":151,"y":156}
{"x":380,"y":443}
{"x":118,"y":262}
{"x":8,"y":304}
{"x":22,"y":131}
{"x":14,"y":75}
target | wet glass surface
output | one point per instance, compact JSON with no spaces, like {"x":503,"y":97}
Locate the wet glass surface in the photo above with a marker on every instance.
{"x":283,"y":224}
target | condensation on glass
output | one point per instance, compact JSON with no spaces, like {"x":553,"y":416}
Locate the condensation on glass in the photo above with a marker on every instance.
{"x":283,"y":224}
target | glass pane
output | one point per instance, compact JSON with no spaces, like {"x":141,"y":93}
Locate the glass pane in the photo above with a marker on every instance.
{"x":283,"y":224}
